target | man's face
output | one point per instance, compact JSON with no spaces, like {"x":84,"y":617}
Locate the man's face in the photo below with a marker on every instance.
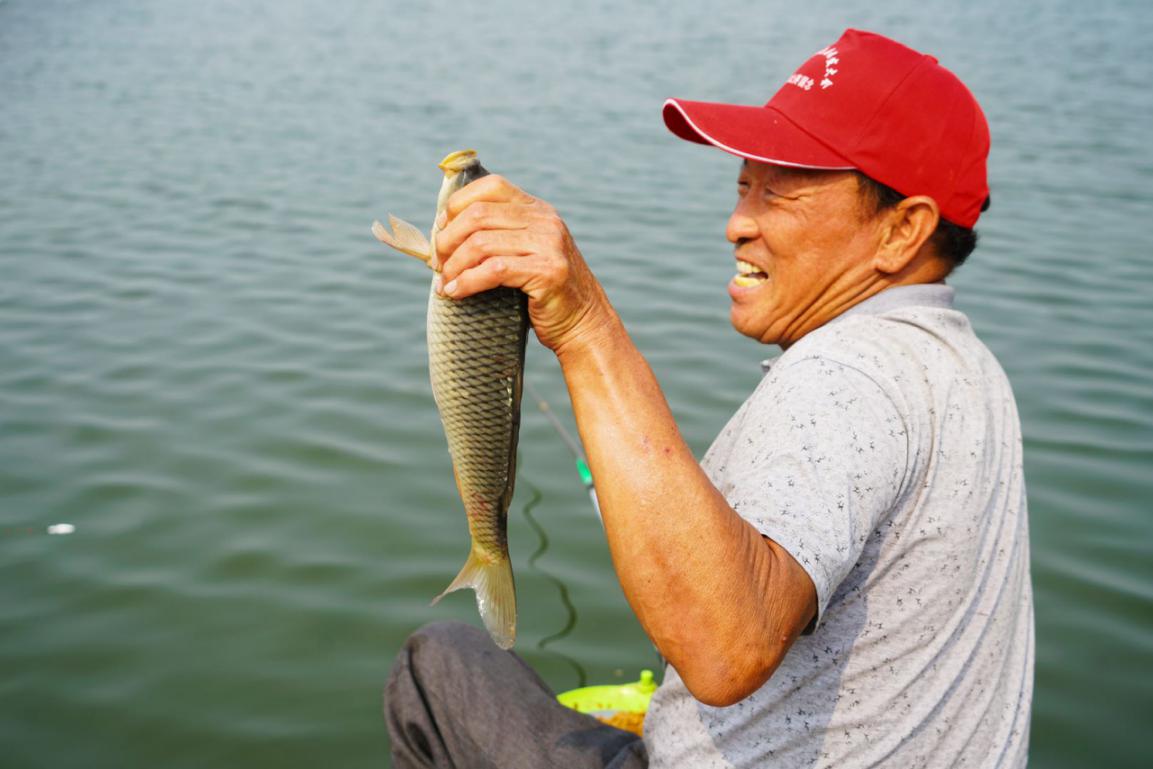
{"x":804,"y":246}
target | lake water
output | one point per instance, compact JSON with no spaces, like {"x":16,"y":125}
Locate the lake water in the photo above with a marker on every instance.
{"x":211,"y":369}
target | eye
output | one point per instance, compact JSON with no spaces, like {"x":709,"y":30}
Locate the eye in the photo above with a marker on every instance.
{"x":742,"y":188}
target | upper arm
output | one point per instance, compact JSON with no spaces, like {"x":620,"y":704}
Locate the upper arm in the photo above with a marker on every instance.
{"x":811,"y":466}
{"x":794,"y":597}
{"x":828,"y":465}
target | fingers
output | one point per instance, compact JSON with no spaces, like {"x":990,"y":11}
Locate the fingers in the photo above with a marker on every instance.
{"x":538,"y":267}
{"x":510,"y":271}
{"x":541,"y":243}
{"x":492,"y":188}
{"x":479,"y":216}
{"x":483,"y":245}
{"x":490,"y":202}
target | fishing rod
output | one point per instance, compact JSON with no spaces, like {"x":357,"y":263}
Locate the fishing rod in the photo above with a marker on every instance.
{"x":582,"y":465}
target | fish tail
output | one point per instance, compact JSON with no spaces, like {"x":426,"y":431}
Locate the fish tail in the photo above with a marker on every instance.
{"x":495,"y":594}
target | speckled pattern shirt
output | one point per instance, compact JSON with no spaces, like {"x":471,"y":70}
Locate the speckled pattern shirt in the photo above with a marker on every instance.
{"x":883,"y":451}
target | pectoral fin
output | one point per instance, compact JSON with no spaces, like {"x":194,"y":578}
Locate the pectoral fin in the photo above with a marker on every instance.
{"x":404,"y":238}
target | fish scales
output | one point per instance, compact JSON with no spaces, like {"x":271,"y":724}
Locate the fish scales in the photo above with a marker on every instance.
{"x":476,"y":358}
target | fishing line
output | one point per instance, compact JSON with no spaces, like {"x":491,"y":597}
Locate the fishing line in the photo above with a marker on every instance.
{"x":542,"y":548}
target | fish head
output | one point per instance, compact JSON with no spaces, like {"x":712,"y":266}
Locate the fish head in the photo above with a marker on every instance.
{"x":460,"y":169}
{"x":455,"y":162}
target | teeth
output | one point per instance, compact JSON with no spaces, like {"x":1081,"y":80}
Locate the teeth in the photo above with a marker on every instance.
{"x":748,"y":274}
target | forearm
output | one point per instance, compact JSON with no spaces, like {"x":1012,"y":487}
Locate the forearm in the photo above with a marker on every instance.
{"x":707,"y":588}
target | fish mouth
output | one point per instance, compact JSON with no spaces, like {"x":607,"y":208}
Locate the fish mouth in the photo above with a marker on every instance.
{"x":455,"y":162}
{"x":749,"y":275}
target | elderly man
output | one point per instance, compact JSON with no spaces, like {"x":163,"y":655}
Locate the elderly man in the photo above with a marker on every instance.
{"x":843,"y":580}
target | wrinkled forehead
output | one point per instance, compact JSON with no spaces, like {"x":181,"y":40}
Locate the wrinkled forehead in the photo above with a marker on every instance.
{"x":772,"y":172}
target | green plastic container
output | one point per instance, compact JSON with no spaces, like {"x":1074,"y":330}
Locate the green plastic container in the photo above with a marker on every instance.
{"x":606,"y":700}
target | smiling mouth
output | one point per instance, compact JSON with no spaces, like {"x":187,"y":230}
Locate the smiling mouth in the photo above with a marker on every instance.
{"x":748,"y":275}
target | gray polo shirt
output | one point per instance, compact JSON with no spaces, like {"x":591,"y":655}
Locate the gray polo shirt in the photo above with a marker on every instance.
{"x":883,"y":451}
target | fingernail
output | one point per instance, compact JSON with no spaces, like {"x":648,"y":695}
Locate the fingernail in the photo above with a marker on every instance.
{"x":450,"y":289}
{"x":438,"y":284}
{"x":441,"y":219}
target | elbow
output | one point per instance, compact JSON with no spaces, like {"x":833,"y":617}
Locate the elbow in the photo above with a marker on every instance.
{"x":720,"y":696}
{"x":724,"y":680}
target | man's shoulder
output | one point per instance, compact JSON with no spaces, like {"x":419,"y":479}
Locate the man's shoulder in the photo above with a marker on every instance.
{"x":880,"y":344}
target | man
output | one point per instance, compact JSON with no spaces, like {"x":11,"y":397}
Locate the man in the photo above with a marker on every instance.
{"x":843,"y":580}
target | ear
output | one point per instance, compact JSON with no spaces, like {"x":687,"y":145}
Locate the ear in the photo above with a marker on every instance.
{"x":905,"y":229}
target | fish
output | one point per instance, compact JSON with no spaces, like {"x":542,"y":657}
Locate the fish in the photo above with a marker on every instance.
{"x":476,"y":348}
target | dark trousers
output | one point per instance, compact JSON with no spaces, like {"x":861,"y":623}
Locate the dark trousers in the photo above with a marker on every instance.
{"x":454,"y":699}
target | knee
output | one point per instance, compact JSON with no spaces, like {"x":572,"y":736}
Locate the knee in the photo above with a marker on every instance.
{"x":445,"y":637}
{"x":434,"y":656}
{"x":442,"y":645}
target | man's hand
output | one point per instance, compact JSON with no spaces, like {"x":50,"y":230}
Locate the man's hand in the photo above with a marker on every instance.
{"x":494,"y":234}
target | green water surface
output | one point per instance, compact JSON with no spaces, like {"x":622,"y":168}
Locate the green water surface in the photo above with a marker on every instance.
{"x":211,"y":369}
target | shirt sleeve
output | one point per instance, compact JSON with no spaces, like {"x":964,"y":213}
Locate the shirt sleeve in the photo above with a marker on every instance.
{"x":817,"y":464}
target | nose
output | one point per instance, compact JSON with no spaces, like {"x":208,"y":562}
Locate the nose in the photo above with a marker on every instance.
{"x":741,"y":226}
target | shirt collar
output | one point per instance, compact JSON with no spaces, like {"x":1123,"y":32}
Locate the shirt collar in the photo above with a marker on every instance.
{"x":895,"y":298}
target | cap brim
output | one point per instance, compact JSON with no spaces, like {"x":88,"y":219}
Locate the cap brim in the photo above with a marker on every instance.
{"x":754,"y":133}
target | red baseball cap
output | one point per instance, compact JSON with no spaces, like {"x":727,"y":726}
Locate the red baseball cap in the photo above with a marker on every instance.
{"x":867,"y":103}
